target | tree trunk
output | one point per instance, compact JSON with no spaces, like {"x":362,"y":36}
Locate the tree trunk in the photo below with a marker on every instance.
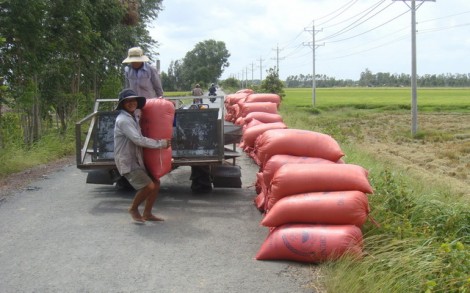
{"x":2,"y":143}
{"x":36,"y":117}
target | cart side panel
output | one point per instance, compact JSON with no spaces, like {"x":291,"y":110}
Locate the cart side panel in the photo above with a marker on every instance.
{"x":103,"y":143}
{"x":196,"y":134}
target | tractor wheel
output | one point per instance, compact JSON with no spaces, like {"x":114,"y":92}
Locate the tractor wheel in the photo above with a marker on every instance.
{"x":123,"y":184}
{"x":201,"y":179}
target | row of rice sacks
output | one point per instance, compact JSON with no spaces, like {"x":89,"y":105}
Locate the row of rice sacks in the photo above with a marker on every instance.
{"x":313,"y":203}
{"x":241,"y":103}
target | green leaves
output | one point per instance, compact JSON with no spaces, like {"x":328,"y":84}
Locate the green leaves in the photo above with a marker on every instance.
{"x":272,"y":83}
{"x":205,"y":63}
{"x":66,"y":49}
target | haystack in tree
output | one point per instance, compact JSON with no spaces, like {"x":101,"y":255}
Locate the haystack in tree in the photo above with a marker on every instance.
{"x":131,"y":17}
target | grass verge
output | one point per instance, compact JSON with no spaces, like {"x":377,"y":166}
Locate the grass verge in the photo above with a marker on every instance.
{"x":422,"y":241}
{"x":49,"y":148}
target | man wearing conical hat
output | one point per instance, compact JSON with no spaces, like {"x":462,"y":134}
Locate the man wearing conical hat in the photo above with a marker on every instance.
{"x":140,"y":76}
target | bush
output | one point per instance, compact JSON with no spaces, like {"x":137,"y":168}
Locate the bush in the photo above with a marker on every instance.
{"x":272,"y":84}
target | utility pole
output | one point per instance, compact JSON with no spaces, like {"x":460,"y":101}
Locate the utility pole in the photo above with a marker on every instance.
{"x":414,"y":84}
{"x":246,"y":76}
{"x":260,"y":69}
{"x":277,"y":58}
{"x":252,"y":72}
{"x":313,"y":46}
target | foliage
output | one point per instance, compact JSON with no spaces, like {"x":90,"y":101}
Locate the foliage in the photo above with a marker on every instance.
{"x":321,"y":81}
{"x":380,"y":79}
{"x":12,"y":134}
{"x":111,"y":87}
{"x":56,"y":54}
{"x":204,"y":65}
{"x":410,"y":265}
{"x":231,"y":82}
{"x":421,"y":245}
{"x":173,"y":80}
{"x":272,"y":83}
{"x":49,"y":147}
{"x":399,"y":80}
{"x":230,"y":85}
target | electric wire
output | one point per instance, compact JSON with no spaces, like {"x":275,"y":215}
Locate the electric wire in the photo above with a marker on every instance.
{"x":431,"y":30}
{"x":366,"y":50}
{"x":347,"y":4}
{"x":353,"y":16}
{"x":372,"y":29}
{"x":295,"y":50}
{"x":293,"y":53}
{"x":444,"y":17}
{"x":340,"y":11}
{"x":354,"y":25}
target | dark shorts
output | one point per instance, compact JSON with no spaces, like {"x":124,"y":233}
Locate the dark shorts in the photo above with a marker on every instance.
{"x":138,"y":178}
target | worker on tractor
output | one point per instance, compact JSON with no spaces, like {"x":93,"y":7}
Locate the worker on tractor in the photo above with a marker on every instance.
{"x":140,"y":76}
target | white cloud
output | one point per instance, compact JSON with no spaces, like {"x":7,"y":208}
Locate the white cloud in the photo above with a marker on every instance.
{"x":252,"y":29}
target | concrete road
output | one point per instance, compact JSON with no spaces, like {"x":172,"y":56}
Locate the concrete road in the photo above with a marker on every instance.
{"x":62,"y":235}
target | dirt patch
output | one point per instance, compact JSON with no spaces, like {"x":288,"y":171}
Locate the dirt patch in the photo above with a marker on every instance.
{"x":21,"y":180}
{"x":441,"y":151}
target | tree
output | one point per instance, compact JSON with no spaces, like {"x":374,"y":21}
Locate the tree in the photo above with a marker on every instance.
{"x":23,"y":58}
{"x":205,"y":63}
{"x":173,"y":80}
{"x":230,"y":83}
{"x":272,"y":83}
{"x":367,"y":78}
{"x":58,"y":52}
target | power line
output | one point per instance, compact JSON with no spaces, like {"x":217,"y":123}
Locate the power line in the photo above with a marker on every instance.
{"x":354,"y":25}
{"x":294,"y":51}
{"x":293,"y":48}
{"x":366,"y":50}
{"x":340,"y":11}
{"x":292,"y":40}
{"x":372,"y":29}
{"x":297,"y":48}
{"x":444,"y":17}
{"x":430,"y":30}
{"x":352,"y":17}
{"x":421,"y":31}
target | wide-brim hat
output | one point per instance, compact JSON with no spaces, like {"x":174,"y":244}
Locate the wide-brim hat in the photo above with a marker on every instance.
{"x":135,"y":54}
{"x":130,"y":94}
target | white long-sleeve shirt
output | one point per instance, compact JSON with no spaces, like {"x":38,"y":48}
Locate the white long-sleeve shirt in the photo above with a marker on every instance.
{"x":129,"y":141}
{"x":144,"y":81}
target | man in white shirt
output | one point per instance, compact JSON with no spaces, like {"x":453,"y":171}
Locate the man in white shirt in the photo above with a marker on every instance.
{"x":140,"y":76}
{"x":128,"y":154}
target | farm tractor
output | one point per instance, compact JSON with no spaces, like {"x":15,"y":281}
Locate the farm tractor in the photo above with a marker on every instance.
{"x":202,"y":139}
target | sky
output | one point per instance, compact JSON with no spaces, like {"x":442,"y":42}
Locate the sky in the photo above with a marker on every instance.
{"x":350,"y":35}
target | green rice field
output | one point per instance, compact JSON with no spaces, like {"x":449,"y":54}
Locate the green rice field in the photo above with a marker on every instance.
{"x":429,"y":99}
